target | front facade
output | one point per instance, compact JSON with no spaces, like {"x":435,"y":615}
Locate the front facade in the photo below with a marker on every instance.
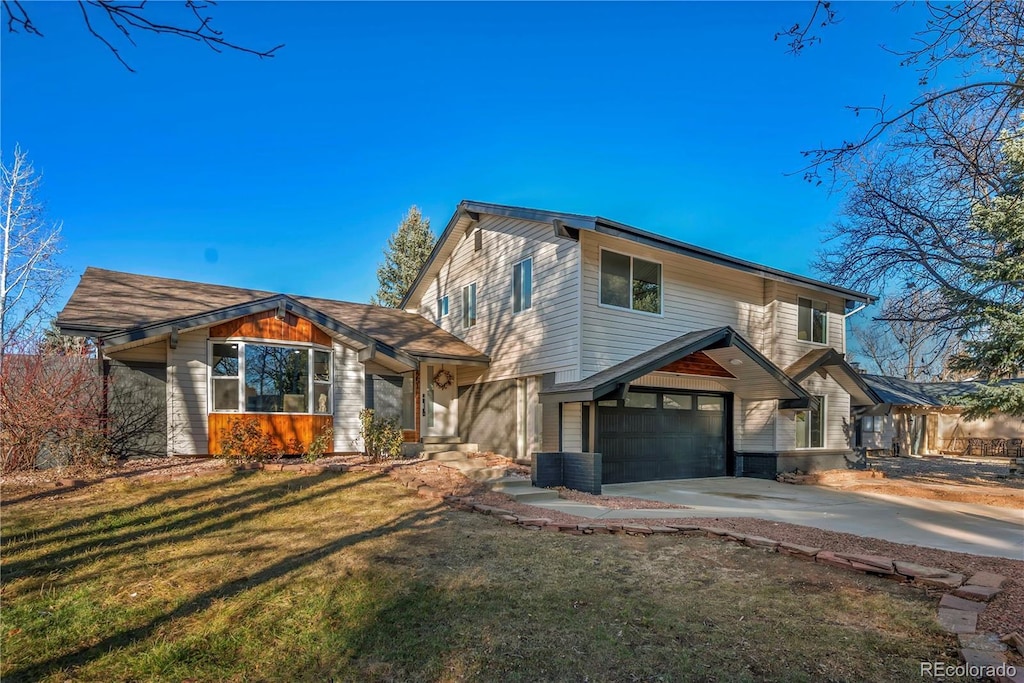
{"x":526,"y":332}
{"x":669,"y":360}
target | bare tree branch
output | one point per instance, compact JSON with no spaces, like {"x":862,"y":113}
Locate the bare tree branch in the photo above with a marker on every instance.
{"x":125,"y":19}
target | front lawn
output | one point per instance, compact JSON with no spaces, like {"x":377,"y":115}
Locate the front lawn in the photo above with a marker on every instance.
{"x":277,"y":576}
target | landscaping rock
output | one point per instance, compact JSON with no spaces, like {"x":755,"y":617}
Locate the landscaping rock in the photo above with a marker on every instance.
{"x":805,"y":552}
{"x":883,"y":563}
{"x":599,"y":528}
{"x":272,"y":467}
{"x":685,"y":527}
{"x":988,"y":642}
{"x":916,"y":570}
{"x":979,"y":593}
{"x":952,"y":602}
{"x":714,"y":531}
{"x":535,"y":521}
{"x":512,"y":519}
{"x":830,"y":558}
{"x":949,"y":581}
{"x":761,"y":542}
{"x":986,"y":579}
{"x":735,"y":536}
{"x":662,"y":530}
{"x":981,"y":658}
{"x":1014,"y":640}
{"x":636,"y":529}
{"x":958,"y":621}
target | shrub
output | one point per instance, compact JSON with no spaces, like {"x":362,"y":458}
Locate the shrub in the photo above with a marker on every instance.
{"x":321,"y":443}
{"x":382,"y":437}
{"x":244,"y":439}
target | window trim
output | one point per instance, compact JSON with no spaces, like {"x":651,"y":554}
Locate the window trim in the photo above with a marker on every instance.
{"x":465,"y":308}
{"x":824,"y":329}
{"x":311,"y":383}
{"x":661,"y":285}
{"x":823,"y":411}
{"x":515,"y":265}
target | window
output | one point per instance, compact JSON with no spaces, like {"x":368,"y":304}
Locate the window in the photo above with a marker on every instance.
{"x":871,"y":423}
{"x":638,"y":400}
{"x":469,"y":305}
{"x":522,"y":286}
{"x":813,"y":321}
{"x":442,"y":307}
{"x":712,"y":404}
{"x":277,"y":378}
{"x":673,"y":402}
{"x":478,"y":240}
{"x":629,"y":282}
{"x":810,"y":426}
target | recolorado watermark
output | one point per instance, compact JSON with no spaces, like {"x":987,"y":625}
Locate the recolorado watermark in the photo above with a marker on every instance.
{"x":943,"y":670}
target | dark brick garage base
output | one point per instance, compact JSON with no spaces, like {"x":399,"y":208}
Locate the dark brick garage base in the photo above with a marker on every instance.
{"x":577,"y":471}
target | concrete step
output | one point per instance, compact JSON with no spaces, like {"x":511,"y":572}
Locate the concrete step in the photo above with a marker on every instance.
{"x":506,"y":484}
{"x":531,"y":495}
{"x":447,"y":456}
{"x":440,"y":439}
{"x":486,"y":474}
{"x":443,"y":447}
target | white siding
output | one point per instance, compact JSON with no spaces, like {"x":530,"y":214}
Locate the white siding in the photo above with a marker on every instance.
{"x":544,"y":338}
{"x":696,"y":296}
{"x":668,"y":381}
{"x":754,"y":426}
{"x":187,"y":425}
{"x":787,"y":348}
{"x":837,"y":416}
{"x":349,"y":398}
{"x":572,"y":427}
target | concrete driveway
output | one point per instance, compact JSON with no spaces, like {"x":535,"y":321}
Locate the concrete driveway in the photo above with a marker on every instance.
{"x":960,"y":527}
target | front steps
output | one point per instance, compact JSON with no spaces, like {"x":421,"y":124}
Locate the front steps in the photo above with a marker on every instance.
{"x":522,"y":490}
{"x":437,"y":444}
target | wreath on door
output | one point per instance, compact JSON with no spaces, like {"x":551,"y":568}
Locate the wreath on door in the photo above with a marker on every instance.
{"x":443,"y":379}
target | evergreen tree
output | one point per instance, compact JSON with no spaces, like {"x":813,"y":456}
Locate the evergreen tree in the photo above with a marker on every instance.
{"x":994,"y":319}
{"x":408,"y":249}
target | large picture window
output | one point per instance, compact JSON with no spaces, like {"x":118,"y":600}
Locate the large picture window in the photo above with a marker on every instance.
{"x":252,"y":377}
{"x":630,"y":282}
{"x":813,"y":321}
{"x":810,"y":426}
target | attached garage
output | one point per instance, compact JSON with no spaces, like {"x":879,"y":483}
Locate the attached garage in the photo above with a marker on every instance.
{"x":656,"y":434}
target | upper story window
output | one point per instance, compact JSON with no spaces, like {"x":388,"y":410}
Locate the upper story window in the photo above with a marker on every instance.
{"x":813,"y":321}
{"x":442,"y":306}
{"x":250,"y":377}
{"x":522,"y":285}
{"x":810,"y":426}
{"x":469,"y":305}
{"x":630,"y":282}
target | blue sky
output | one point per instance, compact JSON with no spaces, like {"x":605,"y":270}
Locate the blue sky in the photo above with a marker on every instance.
{"x":289,"y":174}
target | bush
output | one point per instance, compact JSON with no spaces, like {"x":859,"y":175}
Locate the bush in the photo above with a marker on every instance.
{"x":382,"y":438}
{"x":321,"y":443}
{"x":244,"y":439}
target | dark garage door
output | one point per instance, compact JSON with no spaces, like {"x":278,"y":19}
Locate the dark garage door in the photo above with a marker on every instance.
{"x":662,"y":435}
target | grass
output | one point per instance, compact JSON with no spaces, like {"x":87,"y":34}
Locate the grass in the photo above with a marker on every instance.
{"x":349,"y":577}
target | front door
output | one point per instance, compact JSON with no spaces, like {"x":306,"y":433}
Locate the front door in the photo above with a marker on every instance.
{"x":440,"y":411}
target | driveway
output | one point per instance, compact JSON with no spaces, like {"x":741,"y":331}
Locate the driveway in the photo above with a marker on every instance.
{"x":959,"y":527}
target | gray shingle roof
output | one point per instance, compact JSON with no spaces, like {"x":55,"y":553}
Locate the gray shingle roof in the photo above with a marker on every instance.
{"x":903,"y":392}
{"x":108,"y":301}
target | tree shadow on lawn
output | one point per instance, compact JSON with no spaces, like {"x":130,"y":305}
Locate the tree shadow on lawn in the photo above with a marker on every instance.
{"x":221,"y":515}
{"x":77,"y":522}
{"x":226,"y":590}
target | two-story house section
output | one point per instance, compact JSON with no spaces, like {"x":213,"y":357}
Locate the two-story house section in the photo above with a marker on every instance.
{"x":669,"y":360}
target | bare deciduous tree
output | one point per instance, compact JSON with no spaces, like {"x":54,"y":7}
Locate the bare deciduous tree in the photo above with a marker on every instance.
{"x":108,"y":20}
{"x":30,"y":278}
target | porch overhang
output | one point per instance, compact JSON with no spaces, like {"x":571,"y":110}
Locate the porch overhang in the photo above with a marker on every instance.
{"x":752,"y":375}
{"x":829,"y":362}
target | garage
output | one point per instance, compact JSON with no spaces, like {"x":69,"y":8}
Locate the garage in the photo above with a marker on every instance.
{"x":654,"y":434}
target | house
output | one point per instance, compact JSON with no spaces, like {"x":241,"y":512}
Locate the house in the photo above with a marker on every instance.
{"x":525,"y":332}
{"x":915,"y":417}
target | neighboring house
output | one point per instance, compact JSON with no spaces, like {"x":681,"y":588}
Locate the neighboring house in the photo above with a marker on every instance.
{"x":526,"y":331}
{"x":914,"y":417}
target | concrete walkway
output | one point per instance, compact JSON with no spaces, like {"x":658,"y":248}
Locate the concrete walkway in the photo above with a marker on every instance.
{"x":959,"y":527}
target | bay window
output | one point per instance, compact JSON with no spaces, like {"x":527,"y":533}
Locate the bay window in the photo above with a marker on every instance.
{"x":259,"y":377}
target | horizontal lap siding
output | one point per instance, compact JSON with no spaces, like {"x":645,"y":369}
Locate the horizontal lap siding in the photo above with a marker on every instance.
{"x":349,"y":398}
{"x":787,"y":347}
{"x":838,"y":428}
{"x":680,"y":382}
{"x":572,"y":428}
{"x":754,"y":424}
{"x":697,"y":296}
{"x":542,"y":339}
{"x":186,"y":395}
{"x":150,"y":353}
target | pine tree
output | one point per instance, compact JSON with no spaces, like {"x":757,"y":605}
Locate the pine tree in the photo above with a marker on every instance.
{"x":408,"y":249}
{"x":994,"y":319}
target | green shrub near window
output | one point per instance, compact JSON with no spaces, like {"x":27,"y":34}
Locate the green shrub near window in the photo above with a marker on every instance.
{"x":382,"y":437}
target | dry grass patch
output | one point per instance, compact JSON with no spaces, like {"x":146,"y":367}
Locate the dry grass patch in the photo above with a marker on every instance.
{"x":290,"y":577}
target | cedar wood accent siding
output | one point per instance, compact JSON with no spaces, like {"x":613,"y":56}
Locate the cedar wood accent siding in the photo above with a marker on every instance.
{"x":265,"y":325}
{"x":282,"y":428}
{"x":544,"y":338}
